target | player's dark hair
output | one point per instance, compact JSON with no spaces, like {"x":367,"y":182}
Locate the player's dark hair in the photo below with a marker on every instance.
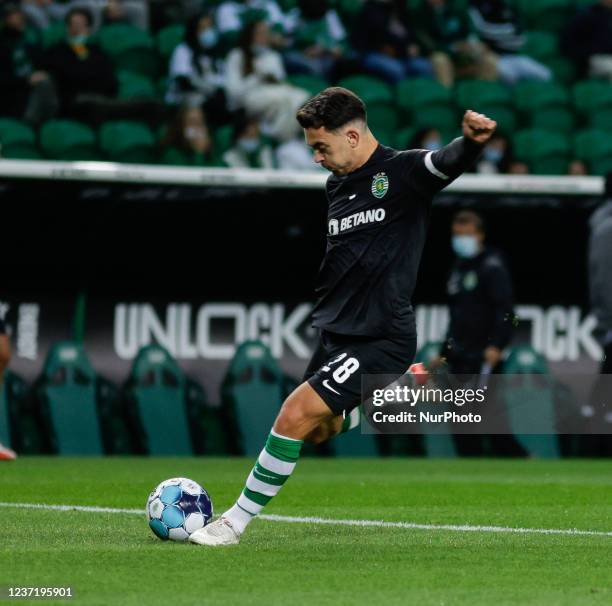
{"x":469,"y":217}
{"x":332,"y":108}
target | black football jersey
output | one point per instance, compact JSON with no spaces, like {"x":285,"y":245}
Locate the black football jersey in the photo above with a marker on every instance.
{"x":377,"y":224}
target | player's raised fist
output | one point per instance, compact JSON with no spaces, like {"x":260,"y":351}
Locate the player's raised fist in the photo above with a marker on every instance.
{"x":478,"y":127}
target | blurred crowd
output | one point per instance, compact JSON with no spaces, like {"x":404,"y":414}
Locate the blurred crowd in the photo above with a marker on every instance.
{"x":234,"y":65}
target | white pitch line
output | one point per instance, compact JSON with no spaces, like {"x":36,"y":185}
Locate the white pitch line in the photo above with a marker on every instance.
{"x":333,"y":522}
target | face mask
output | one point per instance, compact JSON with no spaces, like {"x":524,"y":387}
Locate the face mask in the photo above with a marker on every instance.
{"x":248,"y":145}
{"x":432,"y":144}
{"x":493,"y":155}
{"x":258,"y":49}
{"x":465,"y":247}
{"x":192,"y":132}
{"x":78,"y":40}
{"x":208,"y":38}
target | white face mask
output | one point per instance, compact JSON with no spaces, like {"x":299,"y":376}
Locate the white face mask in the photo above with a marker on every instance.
{"x":248,"y":145}
{"x":192,"y":132}
{"x":208,"y":38}
{"x":465,"y":247}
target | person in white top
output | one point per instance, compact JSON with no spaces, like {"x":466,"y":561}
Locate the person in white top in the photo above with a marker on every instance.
{"x":195,"y":76}
{"x":230,"y":14}
{"x":256,"y":82}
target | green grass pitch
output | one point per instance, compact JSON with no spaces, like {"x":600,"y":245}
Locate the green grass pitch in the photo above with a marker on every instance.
{"x":113,"y":558}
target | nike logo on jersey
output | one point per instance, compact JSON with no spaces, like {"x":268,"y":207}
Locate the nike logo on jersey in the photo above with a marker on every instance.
{"x":326,"y":384}
{"x":352,"y":197}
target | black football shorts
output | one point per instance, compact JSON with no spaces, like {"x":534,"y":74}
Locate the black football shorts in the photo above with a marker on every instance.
{"x":339,"y":361}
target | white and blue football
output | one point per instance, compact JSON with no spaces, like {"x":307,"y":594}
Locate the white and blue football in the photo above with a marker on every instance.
{"x":178,"y":507}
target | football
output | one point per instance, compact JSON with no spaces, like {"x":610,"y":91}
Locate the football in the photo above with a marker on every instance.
{"x":178,"y":507}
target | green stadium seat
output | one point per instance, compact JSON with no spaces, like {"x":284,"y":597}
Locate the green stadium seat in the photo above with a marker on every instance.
{"x":545,"y":152}
{"x":563,"y":69}
{"x":415,"y":93}
{"x":19,"y":423}
{"x":66,"y":393}
{"x":135,"y":86}
{"x":473,"y":94}
{"x":527,"y":391}
{"x":370,"y":89}
{"x":54,"y":34}
{"x":532,"y":96}
{"x":556,"y":119}
{"x":155,"y":399}
{"x":541,"y":45}
{"x":591,"y":96}
{"x":445,"y":119}
{"x":17,"y":140}
{"x":601,"y":119}
{"x":168,"y":38}
{"x":550,"y":15}
{"x":131,"y":142}
{"x":312,"y":84}
{"x":383,"y":117}
{"x":68,"y":140}
{"x":591,"y":145}
{"x":131,"y":48}
{"x":252,"y":392}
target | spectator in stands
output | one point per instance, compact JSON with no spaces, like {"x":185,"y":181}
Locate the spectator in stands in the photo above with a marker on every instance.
{"x":195,"y":76}
{"x":296,"y":155}
{"x":256,"y":82}
{"x":517,"y":167}
{"x":587,"y":40}
{"x":26,"y":92}
{"x":232,"y":15}
{"x":83,"y":72}
{"x":496,"y":156}
{"x":6,"y":454}
{"x":249,"y":149}
{"x":577,"y":168}
{"x":318,"y":40}
{"x":426,"y":138}
{"x":42,"y":13}
{"x":386,"y":41}
{"x":443,"y":33}
{"x":131,"y":12}
{"x":187,"y":141}
{"x":496,"y":24}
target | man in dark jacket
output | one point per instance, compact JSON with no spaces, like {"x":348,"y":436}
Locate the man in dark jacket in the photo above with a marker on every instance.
{"x":82,"y":71}
{"x":25,"y":91}
{"x":587,"y":40}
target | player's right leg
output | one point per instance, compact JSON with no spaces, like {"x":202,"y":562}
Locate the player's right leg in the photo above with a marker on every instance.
{"x":301,"y":414}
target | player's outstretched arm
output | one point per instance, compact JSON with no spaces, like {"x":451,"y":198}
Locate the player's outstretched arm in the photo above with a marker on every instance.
{"x":460,"y":154}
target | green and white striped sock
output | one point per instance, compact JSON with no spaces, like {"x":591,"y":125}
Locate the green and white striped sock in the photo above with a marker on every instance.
{"x":275,"y":464}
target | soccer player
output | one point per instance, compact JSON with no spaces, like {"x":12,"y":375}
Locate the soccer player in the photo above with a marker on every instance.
{"x":379,"y":204}
{"x":6,"y":454}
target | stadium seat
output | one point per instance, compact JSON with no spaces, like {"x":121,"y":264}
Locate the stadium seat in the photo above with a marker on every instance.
{"x":312,"y":84}
{"x":155,"y":400}
{"x":558,"y":119}
{"x":135,"y":86}
{"x":384,"y":121}
{"x":490,"y":98}
{"x":124,"y":141}
{"x":445,"y":119}
{"x":550,"y":15}
{"x":19,"y":424}
{"x":55,"y":33}
{"x":541,"y":45}
{"x":17,"y":140}
{"x":370,"y":89}
{"x":527,"y":391}
{"x":562,"y":68}
{"x":414,"y":93}
{"x":533,"y":96}
{"x":601,"y":119}
{"x":252,"y":393}
{"x":131,"y":48}
{"x":591,"y":145}
{"x":590,"y":96}
{"x":68,"y":140}
{"x":168,"y":38}
{"x":545,"y":152}
{"x":66,"y":393}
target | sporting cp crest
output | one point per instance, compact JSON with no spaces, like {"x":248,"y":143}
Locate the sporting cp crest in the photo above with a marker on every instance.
{"x":380,"y":185}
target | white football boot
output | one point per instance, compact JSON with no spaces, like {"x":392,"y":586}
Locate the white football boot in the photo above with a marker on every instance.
{"x":219,"y":532}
